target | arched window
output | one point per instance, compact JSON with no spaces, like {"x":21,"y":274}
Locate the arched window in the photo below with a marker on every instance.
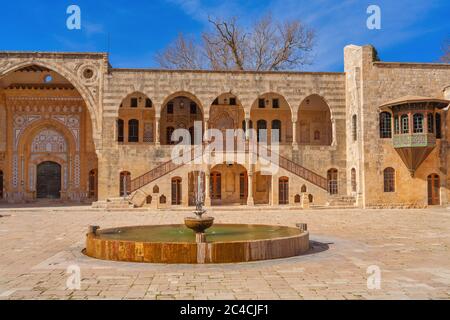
{"x":120,"y":130}
{"x":430,"y":123}
{"x":303,"y":189}
{"x":283,"y":190}
{"x":438,"y":126}
{"x":389,"y":180}
{"x":385,"y":125}
{"x":133,"y":130}
{"x":155,"y":189}
{"x":276,"y":125}
{"x":418,"y":123}
{"x":404,"y":123}
{"x":297,"y":198}
{"x":169,"y":132}
{"x":353,"y":179}
{"x":125,"y":183}
{"x":354,"y":127}
{"x":332,"y":178}
{"x":317,"y":135}
{"x":148,"y":200}
{"x":1,"y":184}
{"x":176,"y":191}
{"x":261,"y":126}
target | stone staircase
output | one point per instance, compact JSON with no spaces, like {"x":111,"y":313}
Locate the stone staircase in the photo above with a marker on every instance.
{"x":113,"y":203}
{"x":138,"y":196}
{"x":338,"y":202}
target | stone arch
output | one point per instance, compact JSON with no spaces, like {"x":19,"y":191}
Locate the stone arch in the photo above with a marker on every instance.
{"x":224,"y":109}
{"x":229,"y":184}
{"x":27,"y":170}
{"x":181,"y":116}
{"x":275,"y":107}
{"x":144,"y":113}
{"x":186,"y":94}
{"x":314,"y":116}
{"x":87,"y":96}
{"x":38,"y":126}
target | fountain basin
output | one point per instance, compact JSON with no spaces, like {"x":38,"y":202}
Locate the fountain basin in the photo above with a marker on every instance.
{"x":199,"y":225}
{"x":227,"y":243}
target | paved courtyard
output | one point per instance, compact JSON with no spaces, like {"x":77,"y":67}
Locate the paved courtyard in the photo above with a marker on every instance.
{"x":411,"y":248}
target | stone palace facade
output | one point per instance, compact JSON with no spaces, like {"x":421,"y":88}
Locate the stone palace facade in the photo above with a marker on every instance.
{"x":75,"y":129}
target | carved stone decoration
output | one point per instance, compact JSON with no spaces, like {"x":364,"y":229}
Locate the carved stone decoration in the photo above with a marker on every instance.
{"x":72,"y":122}
{"x":31,"y":176}
{"x":49,"y":140}
{"x":76,"y":165}
{"x":88,"y":73}
{"x":15,"y":171}
{"x":65,"y":177}
{"x":21,"y":122}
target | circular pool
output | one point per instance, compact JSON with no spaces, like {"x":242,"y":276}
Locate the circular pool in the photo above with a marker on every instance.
{"x":176,"y":244}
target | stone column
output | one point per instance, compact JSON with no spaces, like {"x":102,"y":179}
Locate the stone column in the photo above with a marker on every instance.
{"x":205,"y":127}
{"x":207,"y":188}
{"x":273,"y":192}
{"x":247,"y":129}
{"x":294,"y":134}
{"x":157,"y":137}
{"x":250,"y":200}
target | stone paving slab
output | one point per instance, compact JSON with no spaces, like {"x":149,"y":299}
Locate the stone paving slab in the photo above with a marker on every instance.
{"x":410,"y":248}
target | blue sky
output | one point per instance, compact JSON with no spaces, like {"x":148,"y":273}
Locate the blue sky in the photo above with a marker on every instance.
{"x":410,"y":30}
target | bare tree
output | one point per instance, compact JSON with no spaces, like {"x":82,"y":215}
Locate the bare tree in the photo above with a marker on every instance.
{"x":265,"y":46}
{"x":182,"y":54}
{"x":226,"y":45}
{"x":280,"y":46}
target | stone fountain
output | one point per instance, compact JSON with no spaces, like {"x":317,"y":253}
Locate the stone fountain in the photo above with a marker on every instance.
{"x":199,"y":224}
{"x":175,"y":243}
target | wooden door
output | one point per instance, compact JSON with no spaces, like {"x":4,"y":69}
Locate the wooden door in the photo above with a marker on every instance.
{"x":433,"y":189}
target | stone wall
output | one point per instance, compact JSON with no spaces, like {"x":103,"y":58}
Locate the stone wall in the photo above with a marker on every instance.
{"x":371,"y":83}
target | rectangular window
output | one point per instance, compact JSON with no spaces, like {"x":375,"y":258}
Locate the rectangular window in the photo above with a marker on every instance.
{"x":134,"y":103}
{"x":148,"y":103}
{"x":396,"y":125}
{"x":261,"y":103}
{"x":275,"y":103}
{"x":232,"y":101}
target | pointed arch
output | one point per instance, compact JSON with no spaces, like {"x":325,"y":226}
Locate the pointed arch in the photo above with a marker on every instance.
{"x":85,"y":93}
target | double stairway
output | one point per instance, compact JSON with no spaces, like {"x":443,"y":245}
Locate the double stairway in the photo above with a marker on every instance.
{"x":138,"y":195}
